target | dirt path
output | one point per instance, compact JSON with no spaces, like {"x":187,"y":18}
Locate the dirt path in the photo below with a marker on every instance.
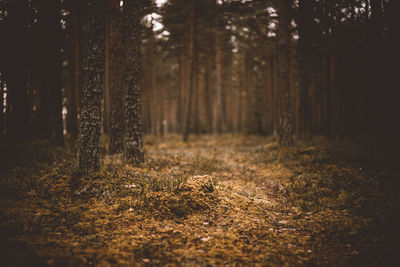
{"x":227,"y":200}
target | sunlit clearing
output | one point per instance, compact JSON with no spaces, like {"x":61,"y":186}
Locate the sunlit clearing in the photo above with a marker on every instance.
{"x":160,"y":2}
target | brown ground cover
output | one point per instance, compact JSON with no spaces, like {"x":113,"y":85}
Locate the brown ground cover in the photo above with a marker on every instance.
{"x":229,"y":200}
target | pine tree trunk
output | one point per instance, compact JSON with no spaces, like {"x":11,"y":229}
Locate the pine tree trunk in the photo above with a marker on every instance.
{"x":133,"y":144}
{"x":53,"y":78}
{"x":208,"y":94}
{"x":1,"y":104}
{"x":116,"y":76}
{"x":17,"y":124}
{"x":73,"y":94}
{"x":106,"y":94}
{"x":92,"y":91}
{"x":218,"y":123}
{"x":188,"y":104}
{"x":305,"y":23}
{"x":285,"y":129}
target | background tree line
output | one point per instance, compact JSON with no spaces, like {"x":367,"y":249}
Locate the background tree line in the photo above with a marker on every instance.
{"x":291,"y":68}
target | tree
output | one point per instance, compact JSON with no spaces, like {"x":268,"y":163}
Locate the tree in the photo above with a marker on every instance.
{"x":17,"y":124}
{"x":191,"y":63}
{"x":284,"y":38}
{"x":133,"y":143}
{"x":92,"y":91}
{"x":218,"y":122}
{"x":51,"y":80}
{"x":305,"y":24}
{"x":116,"y":77}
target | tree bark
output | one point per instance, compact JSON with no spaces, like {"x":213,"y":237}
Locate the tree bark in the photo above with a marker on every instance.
{"x":1,"y":104}
{"x":106,"y":93}
{"x":74,"y":70}
{"x":285,"y":123}
{"x":208,"y":94}
{"x":188,"y":108}
{"x":305,"y":23}
{"x":17,"y":124}
{"x":133,"y":143}
{"x":49,"y":14}
{"x":218,"y":122}
{"x":116,"y":78}
{"x":88,"y":158}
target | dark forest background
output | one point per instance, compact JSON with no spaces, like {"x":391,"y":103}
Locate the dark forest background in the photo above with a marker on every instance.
{"x":210,"y":67}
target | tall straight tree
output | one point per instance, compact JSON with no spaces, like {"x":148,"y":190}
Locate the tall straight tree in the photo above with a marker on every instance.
{"x":116,"y":86}
{"x":92,"y":91}
{"x":305,"y":24}
{"x":50,"y":91}
{"x":218,"y":122}
{"x":17,"y":123}
{"x":133,"y":143}
{"x":188,"y":104}
{"x":285,"y":130}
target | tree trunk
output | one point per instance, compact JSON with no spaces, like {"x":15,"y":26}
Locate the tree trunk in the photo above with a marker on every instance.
{"x":133,"y":143}
{"x":92,"y":91}
{"x":17,"y":102}
{"x":197,"y":95}
{"x":116,"y":85}
{"x":285,"y":123}
{"x":305,"y":23}
{"x":218,"y":122}
{"x":1,"y":104}
{"x":106,"y":93}
{"x":208,"y":94}
{"x":188,"y":108}
{"x":73,"y":93}
{"x":50,"y":16}
{"x":182,"y":89}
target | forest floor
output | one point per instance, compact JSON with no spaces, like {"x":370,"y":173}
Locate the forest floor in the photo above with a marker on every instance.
{"x":230,"y":200}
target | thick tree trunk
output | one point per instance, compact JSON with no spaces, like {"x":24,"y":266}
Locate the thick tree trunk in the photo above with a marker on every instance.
{"x":116,"y":78}
{"x":133,"y":143}
{"x":285,"y":123}
{"x":92,"y":91}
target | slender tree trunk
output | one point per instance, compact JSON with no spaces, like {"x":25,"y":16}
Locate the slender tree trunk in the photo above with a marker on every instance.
{"x":73,"y":93}
{"x":116,"y":85}
{"x":1,"y":104}
{"x":53,"y":78}
{"x":155,"y":99}
{"x":191,"y":64}
{"x":107,"y":96}
{"x":240,"y":93}
{"x":17,"y":101}
{"x":133,"y":143}
{"x":197,"y":96}
{"x":218,"y":123}
{"x":208,"y":95}
{"x":305,"y":24}
{"x":92,"y":91}
{"x":182,"y":89}
{"x":285,"y":123}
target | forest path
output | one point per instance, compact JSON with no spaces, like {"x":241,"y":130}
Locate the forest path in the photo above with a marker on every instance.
{"x":216,"y":200}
